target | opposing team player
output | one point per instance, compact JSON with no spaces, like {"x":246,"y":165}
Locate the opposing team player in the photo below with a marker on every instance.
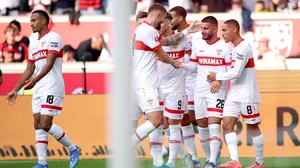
{"x":173,"y":91}
{"x":243,"y":96}
{"x":49,"y":90}
{"x":146,"y":84}
{"x":179,"y":23}
{"x":211,"y":55}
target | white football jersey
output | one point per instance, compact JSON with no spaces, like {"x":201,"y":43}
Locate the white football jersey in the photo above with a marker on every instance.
{"x":52,"y":83}
{"x":174,"y":79}
{"x":210,"y":57}
{"x":144,"y":60}
{"x":242,"y":76}
{"x":191,"y":76}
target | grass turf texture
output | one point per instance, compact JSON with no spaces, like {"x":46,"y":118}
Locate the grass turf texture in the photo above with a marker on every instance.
{"x":145,"y":163}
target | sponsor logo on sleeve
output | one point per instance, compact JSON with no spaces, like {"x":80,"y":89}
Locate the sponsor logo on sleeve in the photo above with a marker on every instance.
{"x":240,"y":56}
{"x":54,"y":44}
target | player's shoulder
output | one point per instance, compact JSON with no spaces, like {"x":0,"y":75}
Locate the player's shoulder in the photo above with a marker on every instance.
{"x":146,"y":28}
{"x":244,"y":46}
{"x":33,"y":36}
{"x":198,"y":41}
{"x":225,"y":45}
{"x":53,"y":34}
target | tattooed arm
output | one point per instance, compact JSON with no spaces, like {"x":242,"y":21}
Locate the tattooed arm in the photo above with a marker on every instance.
{"x":171,"y":40}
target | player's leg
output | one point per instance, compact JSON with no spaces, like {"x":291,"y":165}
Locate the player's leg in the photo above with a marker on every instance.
{"x":250,"y":114}
{"x":174,"y":110}
{"x":148,"y":99}
{"x":202,"y":121}
{"x":52,"y":105}
{"x":215,"y":105}
{"x":188,"y":129}
{"x":165,"y":151}
{"x":231,"y":113}
{"x":40,"y":135}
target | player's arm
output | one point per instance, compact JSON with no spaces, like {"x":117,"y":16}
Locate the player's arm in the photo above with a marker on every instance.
{"x":228,"y":53}
{"x":51,"y":57}
{"x":240,"y":62}
{"x":25,"y":76}
{"x":192,"y":64}
{"x":173,"y":39}
{"x":163,"y":57}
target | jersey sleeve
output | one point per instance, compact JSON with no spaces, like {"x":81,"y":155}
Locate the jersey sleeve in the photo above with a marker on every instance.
{"x":227,"y":56}
{"x":192,"y":64}
{"x":240,"y":60}
{"x":187,"y":44}
{"x":55,"y":45}
{"x":152,"y":40}
{"x":30,"y":57}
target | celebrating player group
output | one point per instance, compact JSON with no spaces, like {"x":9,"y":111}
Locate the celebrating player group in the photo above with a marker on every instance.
{"x":181,"y":75}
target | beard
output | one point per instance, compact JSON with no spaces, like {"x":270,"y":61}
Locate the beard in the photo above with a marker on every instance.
{"x":175,"y":27}
{"x":158,"y":26}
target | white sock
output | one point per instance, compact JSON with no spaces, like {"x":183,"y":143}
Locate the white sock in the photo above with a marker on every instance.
{"x":156,"y":145}
{"x":41,"y":137}
{"x":142,"y":132}
{"x":215,"y":141}
{"x":232,"y":144}
{"x":58,"y":133}
{"x":204,"y":141}
{"x":258,"y":142}
{"x":175,"y":143}
{"x":189,"y":140}
{"x":167,"y":133}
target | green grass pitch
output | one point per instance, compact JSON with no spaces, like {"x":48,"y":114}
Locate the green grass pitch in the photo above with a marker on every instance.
{"x":145,"y":163}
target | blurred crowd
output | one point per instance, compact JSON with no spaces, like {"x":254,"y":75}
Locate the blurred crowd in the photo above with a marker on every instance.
{"x":15,"y":46}
{"x":95,"y":7}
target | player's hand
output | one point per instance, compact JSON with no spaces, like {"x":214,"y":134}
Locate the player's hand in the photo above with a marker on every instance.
{"x":216,"y":87}
{"x":211,"y":76}
{"x":30,"y":84}
{"x":177,"y":64}
{"x":11,"y":98}
{"x":194,"y":27}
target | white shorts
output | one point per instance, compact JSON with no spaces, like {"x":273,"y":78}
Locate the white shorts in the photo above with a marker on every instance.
{"x":249,"y":111}
{"x":210,"y":106}
{"x":47,"y":105}
{"x":175,"y":105}
{"x":190,"y":87}
{"x":146,"y":100}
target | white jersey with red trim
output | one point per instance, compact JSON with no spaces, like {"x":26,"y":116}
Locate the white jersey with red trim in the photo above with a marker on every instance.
{"x":144,"y":60}
{"x":210,"y":57}
{"x":191,"y":76}
{"x":243,"y":84}
{"x":174,"y":79}
{"x":52,"y":83}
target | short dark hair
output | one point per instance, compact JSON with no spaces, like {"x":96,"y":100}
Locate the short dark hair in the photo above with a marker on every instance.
{"x":169,"y":16}
{"x":156,"y":7}
{"x":179,"y":10}
{"x":44,"y":14}
{"x":68,"y":48}
{"x":141,"y":15}
{"x":234,"y":23}
{"x":210,"y":19}
{"x":17,"y":23}
{"x":9,"y":27}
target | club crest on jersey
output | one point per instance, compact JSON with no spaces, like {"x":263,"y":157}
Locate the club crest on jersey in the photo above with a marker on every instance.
{"x":219,"y":52}
{"x":43,"y":44}
{"x":150,"y":102}
{"x":175,"y":46}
